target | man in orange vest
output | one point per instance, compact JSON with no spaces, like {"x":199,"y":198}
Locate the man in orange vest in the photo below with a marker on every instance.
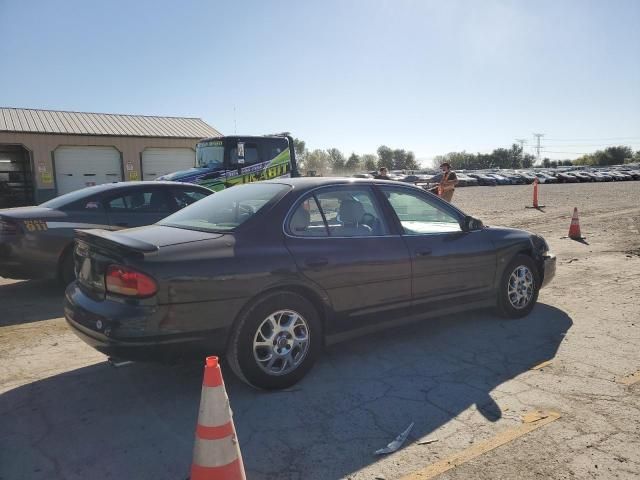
{"x":448,"y":183}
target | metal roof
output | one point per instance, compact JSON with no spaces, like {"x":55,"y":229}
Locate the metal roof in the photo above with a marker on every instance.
{"x":25,"y":120}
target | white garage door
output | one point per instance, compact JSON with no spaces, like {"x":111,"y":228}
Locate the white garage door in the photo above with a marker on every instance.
{"x":160,"y":161}
{"x":79,"y":167}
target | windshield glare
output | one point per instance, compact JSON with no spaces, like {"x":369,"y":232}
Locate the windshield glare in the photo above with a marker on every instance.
{"x":210,"y":154}
{"x":226,"y":210}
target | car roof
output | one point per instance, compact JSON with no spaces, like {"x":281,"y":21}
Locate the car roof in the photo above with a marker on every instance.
{"x":131,"y":184}
{"x":308,"y":183}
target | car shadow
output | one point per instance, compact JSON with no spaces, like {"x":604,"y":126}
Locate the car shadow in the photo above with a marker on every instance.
{"x":31,"y":301}
{"x":138,"y":421}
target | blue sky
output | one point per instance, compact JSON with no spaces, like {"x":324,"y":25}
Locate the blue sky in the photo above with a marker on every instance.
{"x":429,"y":76}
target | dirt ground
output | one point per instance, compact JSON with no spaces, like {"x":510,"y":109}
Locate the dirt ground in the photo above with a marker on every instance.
{"x":462,"y":380}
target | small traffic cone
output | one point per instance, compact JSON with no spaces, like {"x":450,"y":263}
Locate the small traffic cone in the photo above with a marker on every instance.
{"x":216,"y":453}
{"x":535,"y":195}
{"x":574,"y":229}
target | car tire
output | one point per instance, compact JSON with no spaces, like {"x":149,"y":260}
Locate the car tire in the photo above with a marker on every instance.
{"x":67,"y":273}
{"x":268,"y":337}
{"x":519,"y":287}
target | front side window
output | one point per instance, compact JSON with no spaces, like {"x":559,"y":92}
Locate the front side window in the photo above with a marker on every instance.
{"x":419,"y":216}
{"x":227,"y":209}
{"x":272,"y":147}
{"x":339,"y":212}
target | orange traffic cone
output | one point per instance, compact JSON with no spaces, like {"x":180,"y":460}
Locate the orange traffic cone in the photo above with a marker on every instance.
{"x":535,"y":195}
{"x":216,"y":454}
{"x":574,"y":229}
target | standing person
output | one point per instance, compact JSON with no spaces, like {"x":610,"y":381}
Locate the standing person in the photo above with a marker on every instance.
{"x":448,"y":183}
{"x":383,"y":174}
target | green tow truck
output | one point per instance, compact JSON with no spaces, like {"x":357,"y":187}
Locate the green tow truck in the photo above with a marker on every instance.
{"x":223,"y":162}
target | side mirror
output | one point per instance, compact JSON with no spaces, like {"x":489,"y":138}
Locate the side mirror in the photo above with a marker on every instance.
{"x":470,"y":224}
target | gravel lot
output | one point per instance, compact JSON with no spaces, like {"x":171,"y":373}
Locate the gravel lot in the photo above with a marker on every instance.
{"x":65,"y":414}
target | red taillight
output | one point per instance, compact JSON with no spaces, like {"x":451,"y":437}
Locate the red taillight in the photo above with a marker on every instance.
{"x":129,"y":282}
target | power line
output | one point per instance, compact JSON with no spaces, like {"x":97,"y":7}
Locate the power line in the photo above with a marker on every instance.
{"x":593,"y":139}
{"x":572,"y":153}
{"x":597,"y":145}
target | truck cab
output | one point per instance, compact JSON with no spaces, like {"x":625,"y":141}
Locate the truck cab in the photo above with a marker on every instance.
{"x":222,"y":162}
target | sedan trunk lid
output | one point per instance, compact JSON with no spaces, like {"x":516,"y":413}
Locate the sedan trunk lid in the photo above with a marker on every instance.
{"x":97,"y":249}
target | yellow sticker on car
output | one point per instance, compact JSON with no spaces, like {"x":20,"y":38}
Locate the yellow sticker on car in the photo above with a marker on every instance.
{"x":35,"y":225}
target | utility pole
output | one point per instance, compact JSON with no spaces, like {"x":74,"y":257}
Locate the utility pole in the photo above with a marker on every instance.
{"x":521,"y":141}
{"x":538,"y":146}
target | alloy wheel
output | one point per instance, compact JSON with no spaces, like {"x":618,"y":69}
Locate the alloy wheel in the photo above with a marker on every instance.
{"x":281,"y":342}
{"x":521,"y":287}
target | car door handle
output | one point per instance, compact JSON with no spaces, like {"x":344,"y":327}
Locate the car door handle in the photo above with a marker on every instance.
{"x":423,"y":252}
{"x":316,"y":262}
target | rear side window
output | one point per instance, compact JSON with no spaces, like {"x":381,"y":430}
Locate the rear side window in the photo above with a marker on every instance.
{"x":86,"y":204}
{"x":343,"y":212}
{"x":140,"y":201}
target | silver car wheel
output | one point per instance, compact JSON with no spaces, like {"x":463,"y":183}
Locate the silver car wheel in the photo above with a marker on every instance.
{"x":281,"y":342}
{"x":521,"y":287}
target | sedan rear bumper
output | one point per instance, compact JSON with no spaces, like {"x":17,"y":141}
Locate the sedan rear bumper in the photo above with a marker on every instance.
{"x":24,"y":262}
{"x":549,"y":270}
{"x":131,"y":332}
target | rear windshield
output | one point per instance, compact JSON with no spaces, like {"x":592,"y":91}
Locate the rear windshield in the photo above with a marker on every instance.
{"x":226,"y":210}
{"x":67,"y":198}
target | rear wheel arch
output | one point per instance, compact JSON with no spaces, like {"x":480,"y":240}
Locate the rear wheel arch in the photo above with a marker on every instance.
{"x":241,"y":357}
{"x":320,"y":305}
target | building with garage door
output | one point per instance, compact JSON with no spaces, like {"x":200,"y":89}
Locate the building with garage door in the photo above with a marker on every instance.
{"x":45,"y":153}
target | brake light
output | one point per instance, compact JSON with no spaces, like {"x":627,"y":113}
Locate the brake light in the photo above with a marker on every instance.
{"x":126,"y":281}
{"x":8,"y":227}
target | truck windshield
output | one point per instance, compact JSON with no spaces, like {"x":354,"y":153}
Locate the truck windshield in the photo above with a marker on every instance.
{"x":210,"y":154}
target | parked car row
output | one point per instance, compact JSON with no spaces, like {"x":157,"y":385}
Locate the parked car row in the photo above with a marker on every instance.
{"x":470,"y":178}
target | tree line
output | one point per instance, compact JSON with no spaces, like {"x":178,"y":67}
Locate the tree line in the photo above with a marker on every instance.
{"x":333,"y":162}
{"x":516,"y":158}
{"x":513,"y":157}
{"x":609,"y":156}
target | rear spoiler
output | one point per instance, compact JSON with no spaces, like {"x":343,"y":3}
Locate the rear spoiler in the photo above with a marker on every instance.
{"x":119,"y":241}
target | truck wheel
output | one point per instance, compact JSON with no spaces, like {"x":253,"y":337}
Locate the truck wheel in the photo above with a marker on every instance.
{"x":275,"y":341}
{"x":519,"y":287}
